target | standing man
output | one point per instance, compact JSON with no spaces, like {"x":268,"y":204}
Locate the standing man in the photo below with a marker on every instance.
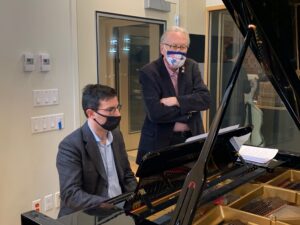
{"x":174,"y":94}
{"x":236,"y":109}
{"x":92,"y":162}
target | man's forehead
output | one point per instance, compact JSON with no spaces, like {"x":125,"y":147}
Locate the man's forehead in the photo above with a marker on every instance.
{"x":179,"y":36}
{"x":109,"y":101}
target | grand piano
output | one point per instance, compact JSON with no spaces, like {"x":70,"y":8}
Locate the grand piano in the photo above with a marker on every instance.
{"x":205,"y":180}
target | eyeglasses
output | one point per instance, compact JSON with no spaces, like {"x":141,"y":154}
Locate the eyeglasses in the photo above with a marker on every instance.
{"x":112,"y":110}
{"x":175,"y":47}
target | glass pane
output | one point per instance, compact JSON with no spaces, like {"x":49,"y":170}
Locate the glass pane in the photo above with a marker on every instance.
{"x":125,"y":44}
{"x":254,"y":100}
{"x":138,"y":57}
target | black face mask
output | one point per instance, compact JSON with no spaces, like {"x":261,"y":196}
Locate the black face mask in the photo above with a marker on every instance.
{"x":111,"y":122}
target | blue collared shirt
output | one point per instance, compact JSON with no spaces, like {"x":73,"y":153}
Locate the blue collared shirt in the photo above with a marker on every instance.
{"x":107,"y":155}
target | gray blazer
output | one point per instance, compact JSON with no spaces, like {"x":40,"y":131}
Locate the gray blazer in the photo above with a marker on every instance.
{"x":82,"y":177}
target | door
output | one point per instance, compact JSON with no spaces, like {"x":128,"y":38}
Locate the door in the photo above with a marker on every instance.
{"x":125,"y":44}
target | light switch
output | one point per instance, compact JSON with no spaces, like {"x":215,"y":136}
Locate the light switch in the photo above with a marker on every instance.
{"x":47,"y":123}
{"x":45,"y":97}
{"x":36,"y":126}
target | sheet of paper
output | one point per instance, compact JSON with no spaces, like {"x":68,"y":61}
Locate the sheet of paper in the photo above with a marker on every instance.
{"x":201,"y":136}
{"x":257,"y":154}
{"x":237,"y":142}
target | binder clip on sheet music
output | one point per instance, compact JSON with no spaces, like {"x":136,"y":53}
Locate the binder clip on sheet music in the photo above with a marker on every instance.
{"x":251,"y":153}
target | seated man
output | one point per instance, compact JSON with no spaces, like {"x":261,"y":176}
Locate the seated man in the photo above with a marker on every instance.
{"x":92,"y":162}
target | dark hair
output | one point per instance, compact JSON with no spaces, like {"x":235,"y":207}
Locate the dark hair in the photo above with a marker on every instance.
{"x":231,"y":50}
{"x":93,"y":93}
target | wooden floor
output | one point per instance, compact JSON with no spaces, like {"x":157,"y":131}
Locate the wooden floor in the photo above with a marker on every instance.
{"x":132,"y":157}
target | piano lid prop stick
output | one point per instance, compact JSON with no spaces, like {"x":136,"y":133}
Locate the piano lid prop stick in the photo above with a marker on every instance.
{"x":194,"y":182}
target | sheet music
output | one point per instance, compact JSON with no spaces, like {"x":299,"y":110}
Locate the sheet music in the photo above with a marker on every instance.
{"x":237,"y":142}
{"x":202,"y":136}
{"x":257,"y":154}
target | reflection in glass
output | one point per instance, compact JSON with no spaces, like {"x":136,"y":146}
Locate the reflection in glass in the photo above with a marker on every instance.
{"x":254,"y":100}
{"x":138,"y":57}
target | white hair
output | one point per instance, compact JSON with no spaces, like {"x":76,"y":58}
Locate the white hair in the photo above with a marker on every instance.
{"x":175,"y":29}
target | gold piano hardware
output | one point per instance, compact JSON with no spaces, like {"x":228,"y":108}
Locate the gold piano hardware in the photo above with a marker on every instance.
{"x":139,"y":207}
{"x":142,"y":208}
{"x":290,"y":179}
{"x":281,"y":214}
{"x":227,"y":212}
{"x":264,"y":192}
{"x":222,"y":214}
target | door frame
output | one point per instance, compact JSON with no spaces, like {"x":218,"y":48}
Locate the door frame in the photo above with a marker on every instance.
{"x":114,"y":79}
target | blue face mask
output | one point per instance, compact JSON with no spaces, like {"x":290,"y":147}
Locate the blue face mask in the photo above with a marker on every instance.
{"x":176,"y":59}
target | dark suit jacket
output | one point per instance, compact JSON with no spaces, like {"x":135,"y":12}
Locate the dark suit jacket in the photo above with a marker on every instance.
{"x":82,"y":177}
{"x":236,"y":109}
{"x":193,"y":97}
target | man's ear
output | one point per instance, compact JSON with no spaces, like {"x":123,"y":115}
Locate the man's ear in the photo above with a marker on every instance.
{"x":161,"y":47}
{"x":89,"y":113}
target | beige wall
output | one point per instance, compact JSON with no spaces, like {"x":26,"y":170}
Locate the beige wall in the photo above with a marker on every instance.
{"x":27,"y":162}
{"x":213,"y":3}
{"x":193,"y":16}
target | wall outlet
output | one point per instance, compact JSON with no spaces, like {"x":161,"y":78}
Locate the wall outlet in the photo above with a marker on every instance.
{"x":36,"y":205}
{"x":48,"y":202}
{"x":57,"y":199}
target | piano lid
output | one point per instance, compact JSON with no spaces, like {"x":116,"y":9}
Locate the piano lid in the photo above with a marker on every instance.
{"x":175,"y":156}
{"x":275,"y":45}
